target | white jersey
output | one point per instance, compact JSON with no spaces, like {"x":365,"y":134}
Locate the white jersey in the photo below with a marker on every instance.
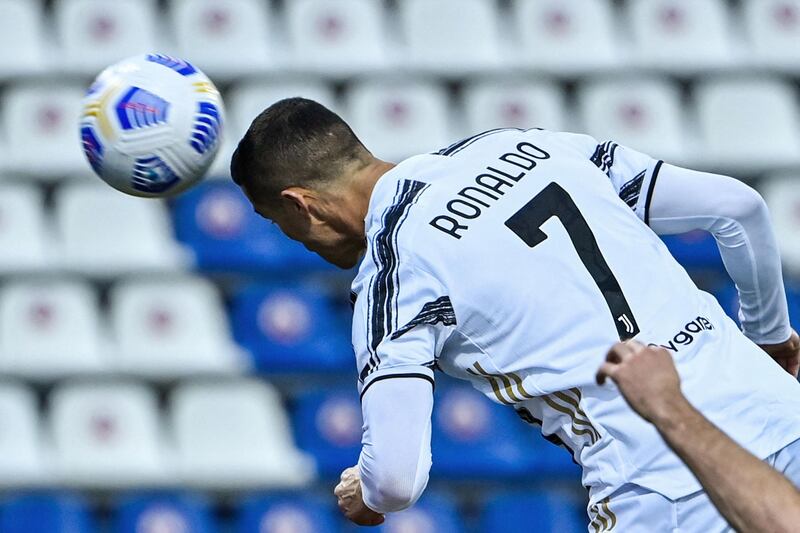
{"x":514,"y":260}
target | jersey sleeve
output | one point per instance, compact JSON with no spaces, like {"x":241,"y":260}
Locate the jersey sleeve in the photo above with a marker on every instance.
{"x":403,"y":316}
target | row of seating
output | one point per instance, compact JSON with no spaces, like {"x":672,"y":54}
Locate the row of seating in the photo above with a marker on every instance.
{"x":233,"y":434}
{"x":546,"y":511}
{"x":739,"y":124}
{"x":344,"y":37}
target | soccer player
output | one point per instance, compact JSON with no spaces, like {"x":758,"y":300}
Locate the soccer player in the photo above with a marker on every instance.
{"x":514,"y":259}
{"x":750,"y":494}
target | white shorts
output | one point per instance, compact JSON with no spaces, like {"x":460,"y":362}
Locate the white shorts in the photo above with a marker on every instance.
{"x":632,"y":509}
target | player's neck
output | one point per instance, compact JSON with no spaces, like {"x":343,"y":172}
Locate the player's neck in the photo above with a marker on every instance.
{"x":363,"y":183}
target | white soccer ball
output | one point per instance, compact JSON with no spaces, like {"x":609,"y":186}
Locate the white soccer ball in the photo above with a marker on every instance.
{"x":151,"y":125}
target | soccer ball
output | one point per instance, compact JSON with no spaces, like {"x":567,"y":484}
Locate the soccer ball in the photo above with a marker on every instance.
{"x":151,"y":125}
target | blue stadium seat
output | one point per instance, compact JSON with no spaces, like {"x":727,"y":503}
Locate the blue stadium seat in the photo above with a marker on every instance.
{"x":53,"y":513}
{"x":291,"y":329}
{"x":285,"y":514}
{"x":328,"y":426}
{"x":696,"y":250}
{"x":476,"y":438}
{"x":217,"y":221}
{"x":156,"y":513}
{"x":432,"y":513}
{"x":541,"y":512}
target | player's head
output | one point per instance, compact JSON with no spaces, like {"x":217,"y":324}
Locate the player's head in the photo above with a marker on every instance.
{"x":296,"y":164}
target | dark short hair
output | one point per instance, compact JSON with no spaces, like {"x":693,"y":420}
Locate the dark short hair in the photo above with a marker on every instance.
{"x":294,"y":142}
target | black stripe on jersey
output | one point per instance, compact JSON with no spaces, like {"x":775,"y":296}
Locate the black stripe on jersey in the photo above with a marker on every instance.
{"x":385,"y":283}
{"x":353,"y":298}
{"x":656,"y":170}
{"x":439,"y":310}
{"x":603,"y":157}
{"x":392,"y":376}
{"x":629,"y":193}
{"x":463,"y":143}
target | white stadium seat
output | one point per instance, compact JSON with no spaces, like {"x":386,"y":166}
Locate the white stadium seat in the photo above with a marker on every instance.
{"x":40,"y":122}
{"x":500,"y":103}
{"x":224,"y":38}
{"x":172,"y":327}
{"x":396,"y":120}
{"x":96,"y":33}
{"x":449,"y":36}
{"x":782,"y":194}
{"x":49,"y":329}
{"x":22,"y":458}
{"x":22,"y":49}
{"x":336,"y":37}
{"x":773,"y":28}
{"x":680,"y":35}
{"x":749,"y":124}
{"x":106,"y":233}
{"x":566,"y":36}
{"x":641,"y":113}
{"x":24,"y":237}
{"x":235,"y":434}
{"x":107,"y":435}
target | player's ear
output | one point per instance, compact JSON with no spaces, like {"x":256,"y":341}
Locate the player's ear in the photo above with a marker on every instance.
{"x":296,"y":200}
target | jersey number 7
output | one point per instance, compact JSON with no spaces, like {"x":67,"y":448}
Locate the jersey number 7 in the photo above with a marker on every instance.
{"x":554,"y":201}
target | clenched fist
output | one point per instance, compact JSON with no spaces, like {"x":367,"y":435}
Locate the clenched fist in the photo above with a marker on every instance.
{"x":786,"y":354}
{"x":351,"y":503}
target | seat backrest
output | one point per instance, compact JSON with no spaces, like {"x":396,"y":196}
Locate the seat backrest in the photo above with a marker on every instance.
{"x":679,"y":35}
{"x":49,"y":328}
{"x":450,"y":34}
{"x":223,"y":37}
{"x":773,"y":28}
{"x":749,"y":121}
{"x":164,"y":513}
{"x":24,"y":241}
{"x":782,"y":194}
{"x":41,"y":119}
{"x":21,"y":37}
{"x":396,"y":120}
{"x":641,"y":113}
{"x":53,"y":513}
{"x":107,"y":434}
{"x":513,"y":104}
{"x":170,"y":326}
{"x":536,"y":511}
{"x":566,"y":35}
{"x":336,"y":36}
{"x":433,"y":513}
{"x":282,"y":514}
{"x":21,"y":459}
{"x":96,"y":33}
{"x":104,"y":232}
{"x":235,"y":433}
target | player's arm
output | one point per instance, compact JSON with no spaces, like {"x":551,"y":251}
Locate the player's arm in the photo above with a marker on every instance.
{"x":750,"y":494}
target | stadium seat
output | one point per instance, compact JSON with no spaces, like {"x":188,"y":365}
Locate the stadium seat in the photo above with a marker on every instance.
{"x":49,"y":329}
{"x":21,"y":452}
{"x":234,"y":435}
{"x":748,"y":124}
{"x":327,"y":425}
{"x":399,"y":119}
{"x":164,"y":513}
{"x":782,"y":194}
{"x":24,"y":237}
{"x":566,"y":36}
{"x":105,"y":233}
{"x":642,"y":113}
{"x":285,"y":514}
{"x":433,"y":513}
{"x":336,"y":37}
{"x":290,"y":328}
{"x":95,"y":33}
{"x":107,"y":435}
{"x":21,"y":38}
{"x":773,"y":29}
{"x":696,"y":250}
{"x":680,"y":36}
{"x":51,"y":513}
{"x":41,"y":118}
{"x":225,"y":38}
{"x":542,"y":512}
{"x":449,"y":37}
{"x":512,"y":103}
{"x":217,"y":222}
{"x":172,"y":327}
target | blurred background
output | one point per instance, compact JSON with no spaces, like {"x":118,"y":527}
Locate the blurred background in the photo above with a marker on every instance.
{"x":180,"y":367}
